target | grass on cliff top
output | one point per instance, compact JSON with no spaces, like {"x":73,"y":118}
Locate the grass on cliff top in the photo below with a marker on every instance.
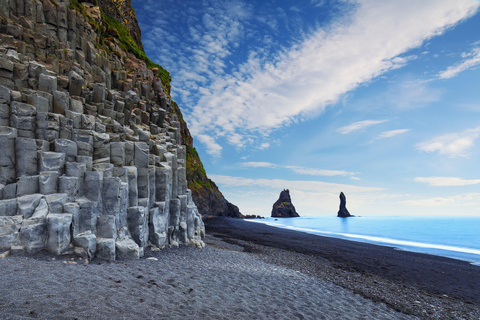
{"x":196,"y":175}
{"x":113,"y":28}
{"x":126,"y":42}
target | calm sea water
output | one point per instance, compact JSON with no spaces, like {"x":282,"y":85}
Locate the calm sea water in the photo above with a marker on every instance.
{"x":455,"y":237}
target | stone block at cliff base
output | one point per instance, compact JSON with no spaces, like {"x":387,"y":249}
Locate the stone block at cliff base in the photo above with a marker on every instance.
{"x":88,"y":242}
{"x":106,"y":249}
{"x":9,"y":231}
{"x":137,"y":221}
{"x":32,"y":234}
{"x":58,"y":233}
{"x":127,"y":249}
{"x":107,"y":227}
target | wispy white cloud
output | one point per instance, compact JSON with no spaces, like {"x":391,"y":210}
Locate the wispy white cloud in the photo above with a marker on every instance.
{"x":264,"y":146}
{"x":391,"y":133}
{"x":295,"y":9}
{"x":213,"y":148}
{"x":458,"y":200}
{"x":453,"y":145}
{"x":318,"y":3}
{"x":413,"y":95}
{"x":258,"y":164}
{"x":359,"y":125}
{"x":319,"y":172}
{"x":299,"y":169}
{"x":446,"y":181}
{"x":471,"y":60}
{"x":317,"y":186}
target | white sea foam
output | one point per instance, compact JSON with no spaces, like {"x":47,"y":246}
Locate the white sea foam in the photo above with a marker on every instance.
{"x":393,"y":242}
{"x":309,"y":224}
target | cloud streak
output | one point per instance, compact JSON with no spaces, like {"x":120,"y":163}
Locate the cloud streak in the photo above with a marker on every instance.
{"x":458,"y":200}
{"x":359,"y":125}
{"x":454,"y":145}
{"x":317,"y":186}
{"x":472,"y":60}
{"x":446,"y":181}
{"x":300,"y":170}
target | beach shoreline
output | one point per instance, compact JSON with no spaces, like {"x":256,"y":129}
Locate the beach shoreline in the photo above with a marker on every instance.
{"x":428,"y":286}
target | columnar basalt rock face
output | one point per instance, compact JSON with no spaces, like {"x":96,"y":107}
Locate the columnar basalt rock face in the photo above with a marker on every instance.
{"x":283,"y":207}
{"x":90,"y":154}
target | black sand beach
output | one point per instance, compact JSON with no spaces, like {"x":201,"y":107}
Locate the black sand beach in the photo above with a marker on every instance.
{"x":425,"y":285}
{"x":247,"y":271}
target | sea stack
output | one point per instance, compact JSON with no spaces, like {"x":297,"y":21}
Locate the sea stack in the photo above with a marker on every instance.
{"x":343,"y":212}
{"x":283,"y":207}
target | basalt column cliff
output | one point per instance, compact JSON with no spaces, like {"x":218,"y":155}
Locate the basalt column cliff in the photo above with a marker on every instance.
{"x":91,"y":153}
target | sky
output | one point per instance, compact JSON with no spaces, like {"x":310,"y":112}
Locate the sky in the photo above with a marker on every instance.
{"x":378,"y":99}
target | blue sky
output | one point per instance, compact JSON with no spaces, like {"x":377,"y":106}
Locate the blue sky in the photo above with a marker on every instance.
{"x":378,"y":99}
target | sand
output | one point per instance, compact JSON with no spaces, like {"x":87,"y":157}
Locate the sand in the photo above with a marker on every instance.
{"x":231,"y":278}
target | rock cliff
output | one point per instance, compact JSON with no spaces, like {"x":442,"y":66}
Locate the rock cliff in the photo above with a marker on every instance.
{"x":91,"y":153}
{"x":283,"y":207}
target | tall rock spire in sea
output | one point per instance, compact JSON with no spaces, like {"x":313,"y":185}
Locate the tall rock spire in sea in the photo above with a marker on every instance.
{"x":343,"y":212}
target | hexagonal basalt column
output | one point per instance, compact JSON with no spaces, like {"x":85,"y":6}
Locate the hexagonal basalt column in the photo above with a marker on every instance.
{"x":7,"y":156}
{"x":26,"y":157}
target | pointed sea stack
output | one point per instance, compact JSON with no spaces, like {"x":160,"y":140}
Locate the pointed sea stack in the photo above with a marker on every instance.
{"x":343,"y":212}
{"x":283,"y":207}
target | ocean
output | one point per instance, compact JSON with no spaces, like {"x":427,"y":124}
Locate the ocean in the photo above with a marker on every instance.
{"x":455,"y":237}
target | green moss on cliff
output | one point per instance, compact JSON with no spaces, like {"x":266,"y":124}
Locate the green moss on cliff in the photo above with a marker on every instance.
{"x":196,"y":175}
{"x":74,"y":4}
{"x":111,"y":27}
{"x":118,"y":30}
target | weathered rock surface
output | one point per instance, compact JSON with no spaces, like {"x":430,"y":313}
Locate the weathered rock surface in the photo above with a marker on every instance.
{"x":283,"y":207}
{"x":343,"y":212}
{"x":91,"y":160}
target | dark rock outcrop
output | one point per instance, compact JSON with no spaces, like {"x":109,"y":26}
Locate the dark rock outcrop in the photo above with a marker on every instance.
{"x":283,"y":207}
{"x":343,"y":212}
